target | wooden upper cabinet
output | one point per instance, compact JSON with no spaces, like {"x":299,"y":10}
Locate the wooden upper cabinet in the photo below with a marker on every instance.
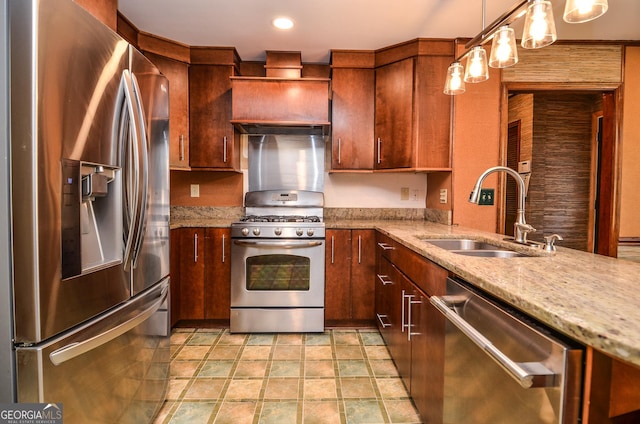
{"x":178,"y":75}
{"x":394,"y":115}
{"x":352,"y":110}
{"x":412,"y":114}
{"x":213,"y":142}
{"x":280,"y":101}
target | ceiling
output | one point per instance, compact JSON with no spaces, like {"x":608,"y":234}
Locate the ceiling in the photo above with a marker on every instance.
{"x":322,"y":25}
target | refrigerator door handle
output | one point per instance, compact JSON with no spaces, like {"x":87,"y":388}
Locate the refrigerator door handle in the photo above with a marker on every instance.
{"x":143,"y":172}
{"x":131,"y":163}
{"x":76,"y":349}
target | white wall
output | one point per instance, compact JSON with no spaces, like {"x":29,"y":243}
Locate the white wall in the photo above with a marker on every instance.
{"x":354,"y":190}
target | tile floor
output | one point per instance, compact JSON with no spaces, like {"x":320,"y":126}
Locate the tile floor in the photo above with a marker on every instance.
{"x":339,"y":376}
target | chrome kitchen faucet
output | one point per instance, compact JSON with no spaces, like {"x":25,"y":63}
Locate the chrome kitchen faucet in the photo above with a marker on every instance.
{"x":520,"y":227}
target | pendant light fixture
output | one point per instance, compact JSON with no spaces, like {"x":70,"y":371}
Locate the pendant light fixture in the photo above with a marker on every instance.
{"x":504,"y":52}
{"x":539,"y":31}
{"x":539,"y":26}
{"x":579,"y":11}
{"x":477,"y":69}
{"x":454,"y":84}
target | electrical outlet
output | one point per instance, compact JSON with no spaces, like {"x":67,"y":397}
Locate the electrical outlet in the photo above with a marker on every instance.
{"x":414,"y":194}
{"x":195,"y":190}
{"x":404,"y":193}
{"x":486,"y":196}
{"x":443,"y":195}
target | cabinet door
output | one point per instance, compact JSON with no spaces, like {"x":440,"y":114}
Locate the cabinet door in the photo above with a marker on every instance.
{"x":401,"y":350}
{"x":337,"y":275}
{"x":432,"y":112}
{"x":178,"y":75}
{"x":217,"y":291}
{"x":192,"y":266}
{"x":394,"y":115}
{"x":351,"y":118}
{"x":212,"y":139}
{"x":427,"y":357}
{"x":363,"y":270}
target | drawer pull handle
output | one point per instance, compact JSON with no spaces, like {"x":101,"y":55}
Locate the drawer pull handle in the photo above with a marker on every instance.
{"x":382,"y":323}
{"x":386,"y":246}
{"x":384,"y":279}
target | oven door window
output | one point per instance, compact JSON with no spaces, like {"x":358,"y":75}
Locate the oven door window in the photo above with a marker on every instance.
{"x":278,"y":272}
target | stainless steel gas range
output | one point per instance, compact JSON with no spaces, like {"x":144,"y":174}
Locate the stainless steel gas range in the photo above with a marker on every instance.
{"x":277,"y":263}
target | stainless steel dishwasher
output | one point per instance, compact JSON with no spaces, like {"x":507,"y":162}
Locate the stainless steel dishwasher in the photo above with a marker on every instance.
{"x":501,"y":367}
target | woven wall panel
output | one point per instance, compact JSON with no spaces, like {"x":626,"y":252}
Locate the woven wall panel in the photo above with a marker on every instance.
{"x":584,"y":63}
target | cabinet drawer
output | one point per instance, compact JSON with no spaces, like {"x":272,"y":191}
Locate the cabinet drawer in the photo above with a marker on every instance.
{"x":428,"y":276}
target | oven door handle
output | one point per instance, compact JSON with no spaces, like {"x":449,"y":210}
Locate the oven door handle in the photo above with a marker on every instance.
{"x":283,"y":244}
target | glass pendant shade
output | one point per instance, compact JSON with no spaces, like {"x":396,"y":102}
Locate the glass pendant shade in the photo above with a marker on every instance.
{"x":578,"y":11}
{"x":477,"y":69}
{"x":539,"y":26}
{"x":504,"y":52}
{"x":454,"y":84}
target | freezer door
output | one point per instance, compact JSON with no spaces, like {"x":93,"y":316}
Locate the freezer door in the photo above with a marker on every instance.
{"x":151,"y":262}
{"x":113,"y":369}
{"x":65,"y":77}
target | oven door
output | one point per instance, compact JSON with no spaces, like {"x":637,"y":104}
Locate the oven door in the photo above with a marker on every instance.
{"x":270,"y":273}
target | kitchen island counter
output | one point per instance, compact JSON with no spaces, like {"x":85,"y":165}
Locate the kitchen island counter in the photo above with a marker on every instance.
{"x":591,"y":298}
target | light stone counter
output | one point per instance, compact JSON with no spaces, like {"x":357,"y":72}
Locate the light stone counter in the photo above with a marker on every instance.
{"x":590,"y":298}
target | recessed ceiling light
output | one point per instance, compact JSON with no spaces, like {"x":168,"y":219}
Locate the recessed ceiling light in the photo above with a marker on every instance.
{"x":283,"y":23}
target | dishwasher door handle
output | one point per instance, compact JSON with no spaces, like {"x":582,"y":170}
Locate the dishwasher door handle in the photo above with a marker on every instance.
{"x":527,"y":374}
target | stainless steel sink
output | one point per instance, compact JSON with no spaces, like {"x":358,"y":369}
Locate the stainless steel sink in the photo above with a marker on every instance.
{"x":463,"y":244}
{"x":491,"y":253}
{"x":477,"y":248}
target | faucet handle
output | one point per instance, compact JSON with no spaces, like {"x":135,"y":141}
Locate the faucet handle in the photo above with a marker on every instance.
{"x":549,"y":242}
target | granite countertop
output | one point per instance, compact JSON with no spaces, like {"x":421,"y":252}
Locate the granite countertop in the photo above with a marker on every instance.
{"x":593,"y":299}
{"x":590,"y":298}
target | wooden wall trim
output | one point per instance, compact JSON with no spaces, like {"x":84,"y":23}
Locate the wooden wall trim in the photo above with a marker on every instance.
{"x":127,"y":30}
{"x":164,"y":47}
{"x":206,"y":55}
{"x":412,"y":48}
{"x":365,"y":59}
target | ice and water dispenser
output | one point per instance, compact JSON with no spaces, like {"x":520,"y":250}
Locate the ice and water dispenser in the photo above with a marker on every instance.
{"x":91,"y":217}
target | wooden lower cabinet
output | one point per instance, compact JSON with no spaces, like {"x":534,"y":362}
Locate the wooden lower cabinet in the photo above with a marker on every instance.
{"x":204,"y":273}
{"x":217,"y":277}
{"x":412,"y":328}
{"x":611,"y":390}
{"x":192,"y":264}
{"x":349,"y":277}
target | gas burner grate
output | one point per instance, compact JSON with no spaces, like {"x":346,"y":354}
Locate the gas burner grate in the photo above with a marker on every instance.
{"x":280,"y":218}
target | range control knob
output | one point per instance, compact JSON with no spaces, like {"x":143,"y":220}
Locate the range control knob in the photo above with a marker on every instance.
{"x":277,"y":231}
{"x":310,"y":232}
{"x":245,"y":231}
{"x":299,"y":231}
{"x":256,"y":231}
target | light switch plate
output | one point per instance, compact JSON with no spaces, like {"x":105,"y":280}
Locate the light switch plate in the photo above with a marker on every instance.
{"x":195,"y":190}
{"x":486,"y":196}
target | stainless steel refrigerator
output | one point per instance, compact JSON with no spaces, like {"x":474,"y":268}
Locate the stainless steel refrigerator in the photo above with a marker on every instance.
{"x":89,"y":217}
